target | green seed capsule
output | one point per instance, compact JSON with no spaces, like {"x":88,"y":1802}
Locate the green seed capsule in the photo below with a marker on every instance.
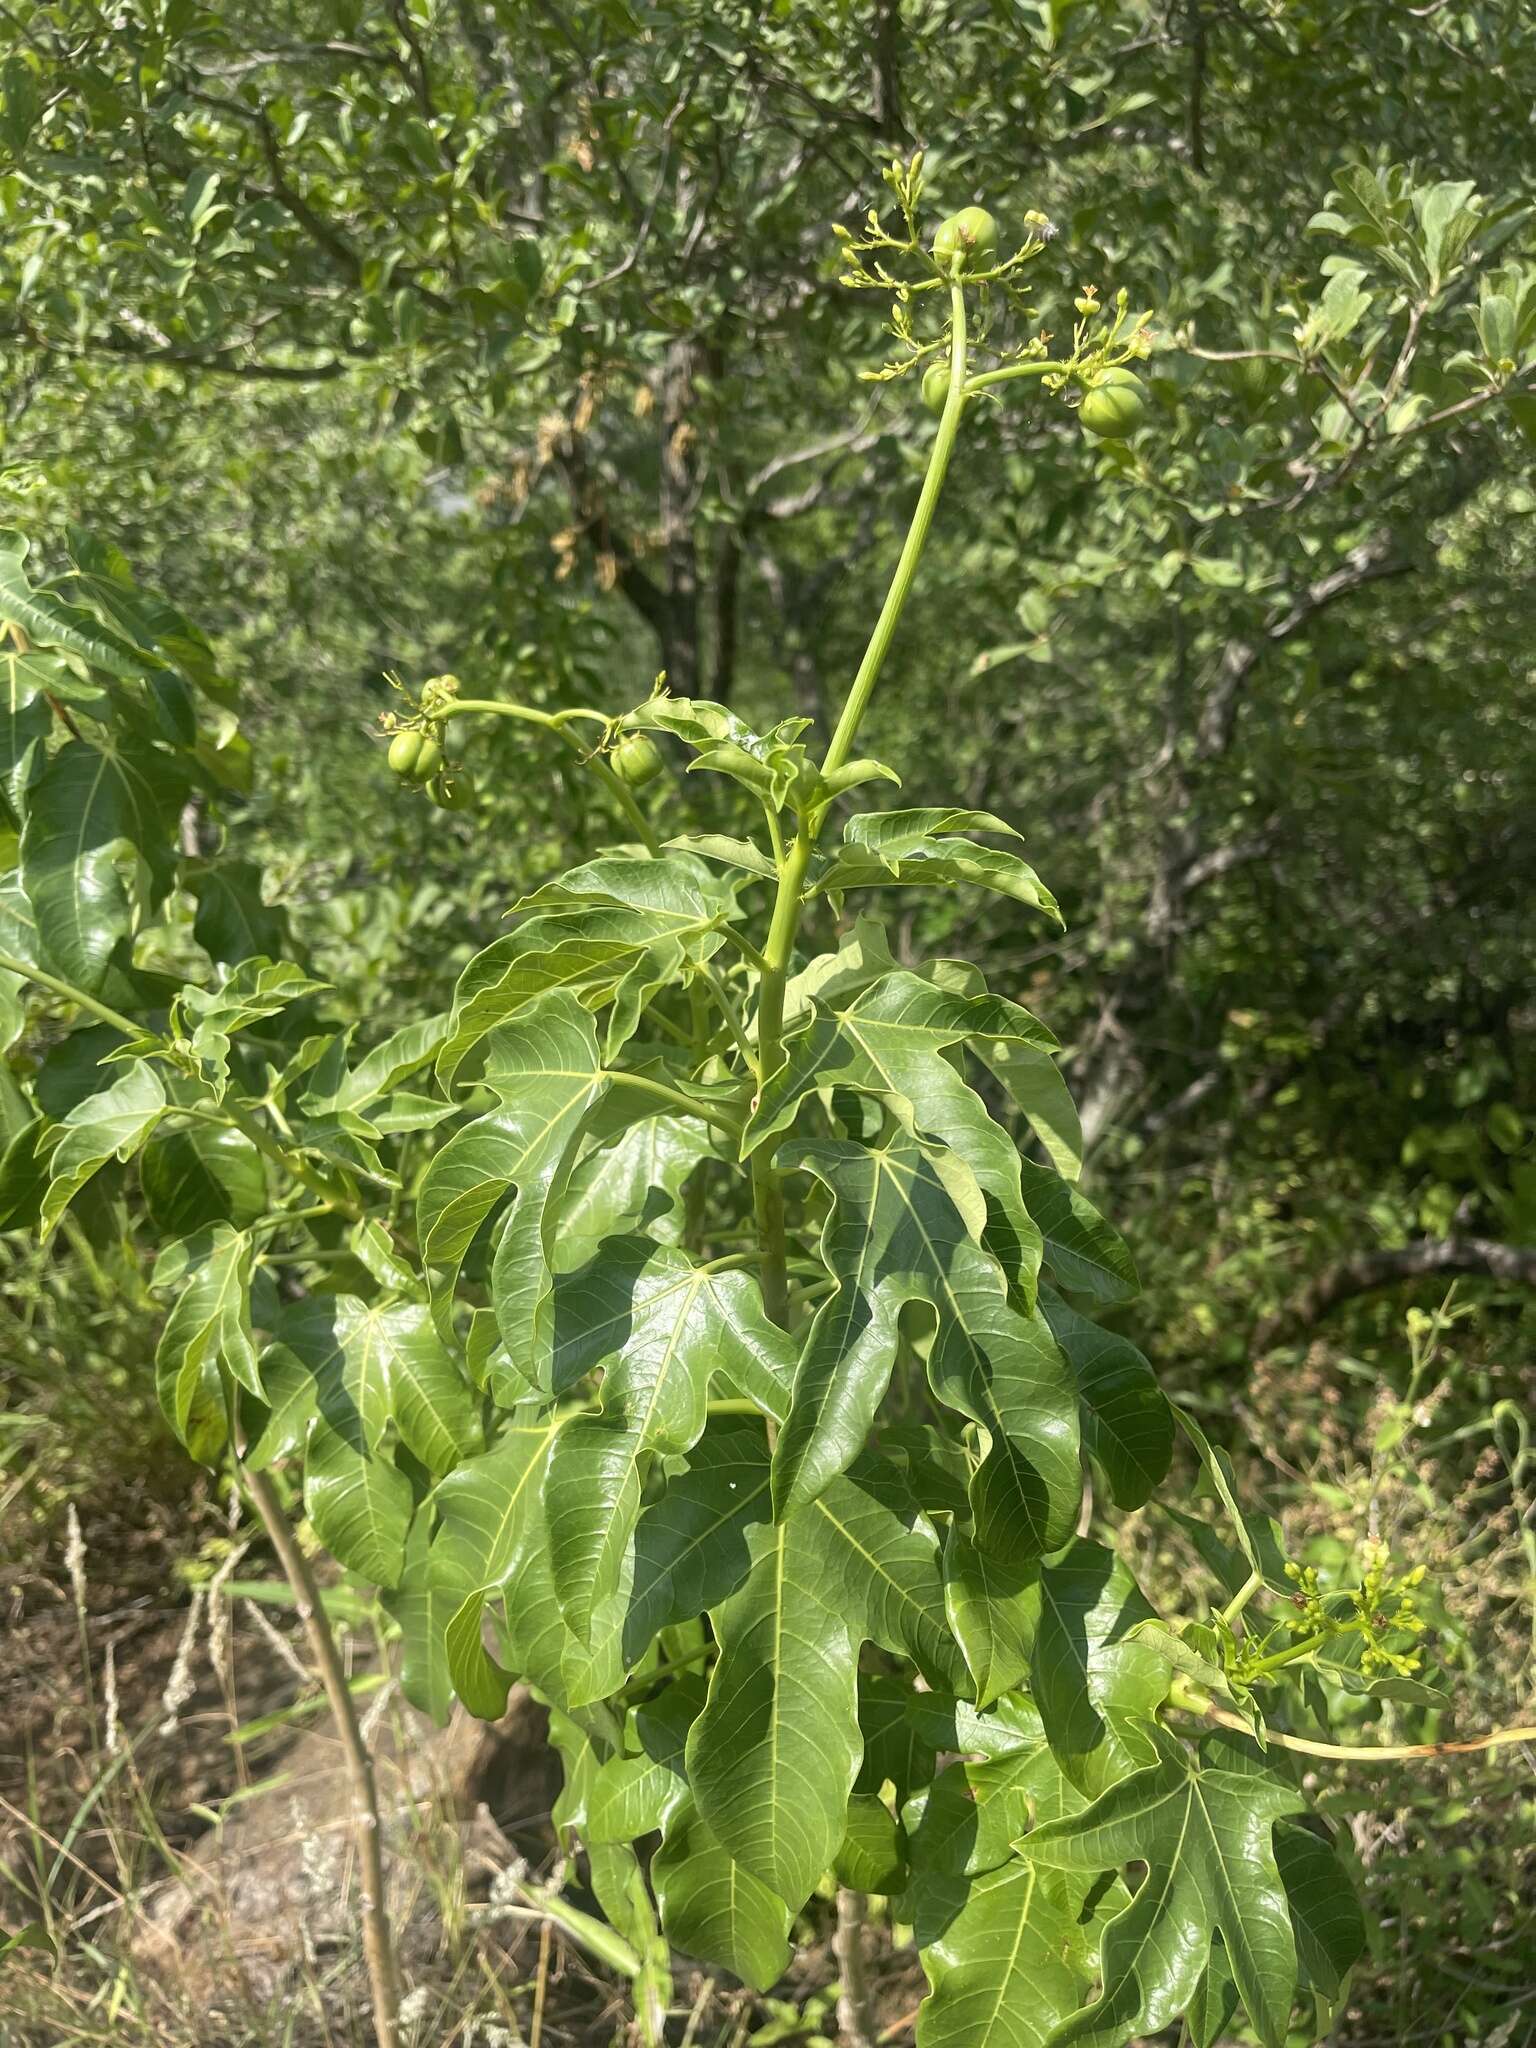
{"x":1116,"y":406}
{"x":970,"y":234}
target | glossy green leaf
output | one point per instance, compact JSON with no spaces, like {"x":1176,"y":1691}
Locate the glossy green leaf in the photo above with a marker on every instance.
{"x":991,"y":1613}
{"x":233,"y":923}
{"x":111,"y":1124}
{"x":612,"y":932}
{"x":997,"y":1974}
{"x":1085,"y":1253}
{"x":898,"y":1234}
{"x":1035,"y":1082}
{"x":1126,"y":1419}
{"x":713,"y":1908}
{"x":95,"y":850}
{"x":873,"y":1855}
{"x":658,"y":1325}
{"x":202,"y":1174}
{"x":633,"y":1182}
{"x":1206,"y":1838}
{"x":890,"y":1038}
{"x":545,"y":1074}
{"x":883,"y":849}
{"x":773,"y":1756}
{"x":1096,"y":1684}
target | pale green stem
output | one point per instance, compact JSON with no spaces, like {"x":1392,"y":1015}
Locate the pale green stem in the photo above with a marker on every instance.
{"x":683,"y":1104}
{"x":1041,"y":367}
{"x":768,"y":1197}
{"x":75,"y":995}
{"x":555,"y":722}
{"x":1245,"y":1593}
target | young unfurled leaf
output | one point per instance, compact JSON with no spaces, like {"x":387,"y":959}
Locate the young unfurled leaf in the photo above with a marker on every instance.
{"x":208,"y":1340}
{"x":882,"y":849}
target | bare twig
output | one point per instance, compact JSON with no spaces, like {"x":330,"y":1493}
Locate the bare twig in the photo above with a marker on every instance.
{"x":378,"y":1941}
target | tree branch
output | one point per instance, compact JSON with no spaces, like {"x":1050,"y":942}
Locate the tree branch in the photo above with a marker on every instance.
{"x":1370,"y":562}
{"x":1368,"y":1272}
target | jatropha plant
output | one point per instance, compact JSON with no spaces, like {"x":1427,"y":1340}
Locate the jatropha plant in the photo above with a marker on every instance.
{"x":672,"y":1326}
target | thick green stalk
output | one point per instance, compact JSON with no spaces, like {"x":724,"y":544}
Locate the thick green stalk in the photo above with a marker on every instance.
{"x":768,"y":1198}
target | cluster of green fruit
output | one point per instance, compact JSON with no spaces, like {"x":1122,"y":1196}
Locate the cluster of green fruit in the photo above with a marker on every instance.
{"x":965,"y":246}
{"x":416,"y":755}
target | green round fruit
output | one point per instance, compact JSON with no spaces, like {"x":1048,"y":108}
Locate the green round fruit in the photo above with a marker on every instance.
{"x":936,"y":385}
{"x":1116,"y":406}
{"x":452,"y":792}
{"x":404,"y":752}
{"x":970,"y":234}
{"x":636,"y":760}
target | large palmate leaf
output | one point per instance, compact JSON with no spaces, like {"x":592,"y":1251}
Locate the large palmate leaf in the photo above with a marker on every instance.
{"x":96,"y":850}
{"x":890,"y":1038}
{"x":773,"y":1756}
{"x":1127,"y":1421}
{"x":208,"y":1340}
{"x":1206,"y":1838}
{"x":997,"y":1972}
{"x":112,"y":1123}
{"x":882,"y":849}
{"x":899,"y":1234}
{"x":1095,"y":1683}
{"x":612,"y":932}
{"x":545,"y":1073}
{"x":658,"y":1324}
{"x":342,"y":1379}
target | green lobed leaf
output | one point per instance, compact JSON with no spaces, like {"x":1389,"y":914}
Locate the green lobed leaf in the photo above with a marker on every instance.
{"x":658,"y":1325}
{"x":208,"y":1339}
{"x":633,"y":1182}
{"x":611,"y":932}
{"x":1127,"y":1421}
{"x":545,"y":1074}
{"x":889,"y":1038}
{"x":1096,"y":1683}
{"x":713,"y":1908}
{"x":897,"y":1235}
{"x":96,"y":850}
{"x":1206,"y":1838}
{"x":201,"y":1174}
{"x":1084,"y":1252}
{"x":883,"y":849}
{"x":111,"y":1124}
{"x":774,"y":1754}
{"x":997,"y":1974}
